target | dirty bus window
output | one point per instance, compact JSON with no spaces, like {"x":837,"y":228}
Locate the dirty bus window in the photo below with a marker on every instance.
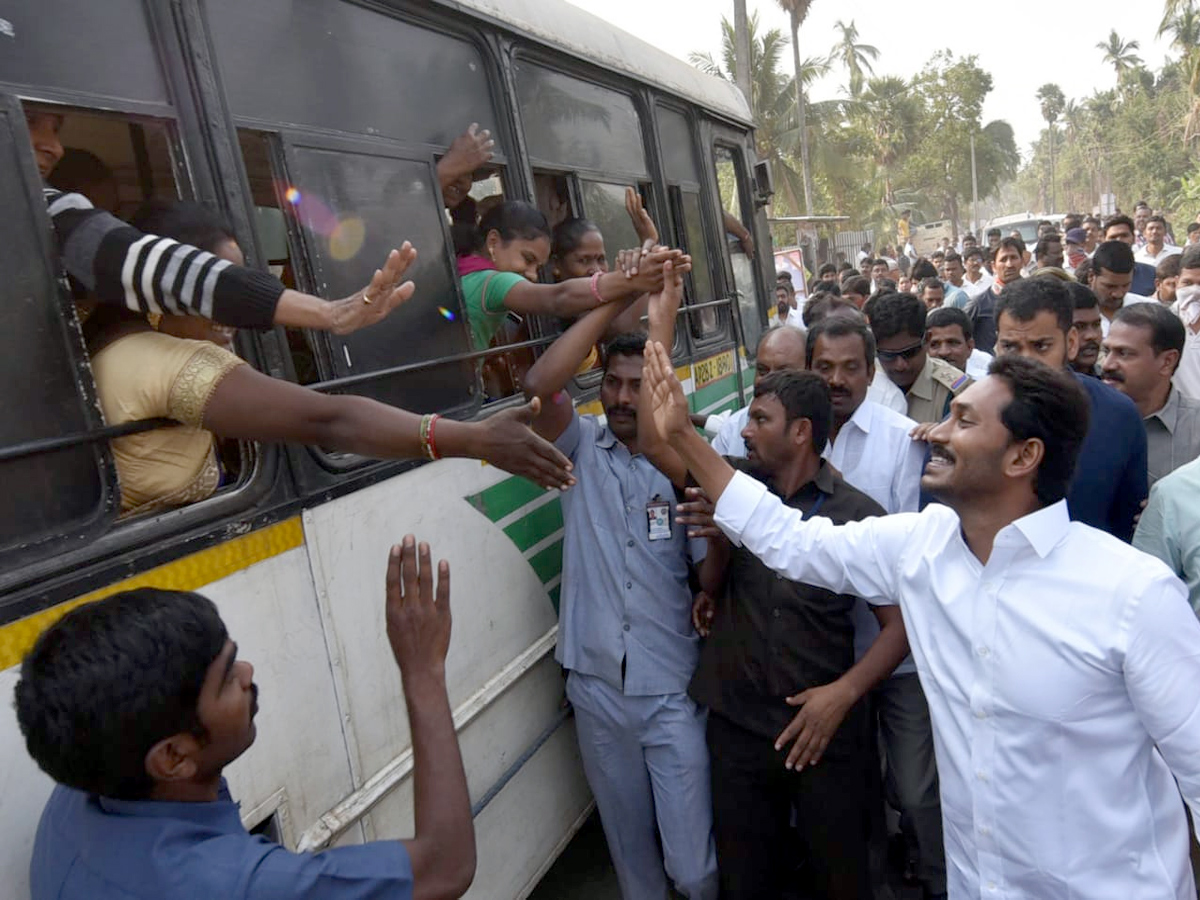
{"x":731,"y":179}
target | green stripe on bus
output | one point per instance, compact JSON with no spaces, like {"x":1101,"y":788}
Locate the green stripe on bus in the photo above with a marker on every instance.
{"x":543,"y":521}
{"x":500,"y":499}
{"x":711,"y":393}
{"x":548,"y":563}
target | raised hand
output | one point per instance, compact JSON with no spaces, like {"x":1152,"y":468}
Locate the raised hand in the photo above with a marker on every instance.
{"x":417,"y":616}
{"x":470,"y":151}
{"x":374,"y":302}
{"x":822,"y":710}
{"x":664,"y":305}
{"x":508,"y":443}
{"x":647,"y":231}
{"x":668,"y":403}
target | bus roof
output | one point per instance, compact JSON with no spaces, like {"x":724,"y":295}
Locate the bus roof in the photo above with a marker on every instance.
{"x":573,"y":30}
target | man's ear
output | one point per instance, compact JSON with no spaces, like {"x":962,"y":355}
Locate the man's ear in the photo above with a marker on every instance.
{"x":173,"y":758}
{"x":801,"y":432}
{"x":1025,"y":458}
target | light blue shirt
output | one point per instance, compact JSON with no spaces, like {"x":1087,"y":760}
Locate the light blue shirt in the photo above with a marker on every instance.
{"x":624,"y":596}
{"x":1170,"y":526}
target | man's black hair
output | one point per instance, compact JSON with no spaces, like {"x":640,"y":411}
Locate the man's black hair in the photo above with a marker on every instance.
{"x":183,"y":221}
{"x":1190,"y":258}
{"x":1049,"y":405}
{"x":859,"y":284}
{"x":945,"y":316}
{"x":1193,"y":227}
{"x":1082,"y":296}
{"x":1166,"y":330}
{"x":922,"y":269}
{"x":785,"y":277}
{"x":1042,"y":247}
{"x":1083,"y":272}
{"x":803,"y":395}
{"x":632,"y":343}
{"x":1024,"y":299}
{"x":821,"y":304}
{"x":974,"y":251}
{"x":1168,"y":268}
{"x":927,"y":283}
{"x":110,"y":680}
{"x":1092,"y":220}
{"x":1159,"y":219}
{"x":994,"y":231}
{"x":893,"y":314}
{"x":1071,"y":220}
{"x":1119,"y":219}
{"x":1115,"y":256}
{"x":1012,"y":242}
{"x":827,"y":269}
{"x":840,"y":326}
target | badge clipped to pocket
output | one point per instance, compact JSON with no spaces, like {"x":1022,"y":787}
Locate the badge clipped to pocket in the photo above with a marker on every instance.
{"x":658,"y":520}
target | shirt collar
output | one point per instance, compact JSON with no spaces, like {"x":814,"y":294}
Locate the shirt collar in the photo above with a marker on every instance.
{"x":1169,"y":414}
{"x":1045,"y":528}
{"x":822,"y":481}
{"x":221,"y":813}
{"x":862,"y":417}
{"x":923,"y":386}
{"x":605,"y":438}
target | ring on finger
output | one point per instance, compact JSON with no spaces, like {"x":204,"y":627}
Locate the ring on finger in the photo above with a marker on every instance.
{"x":366,"y":299}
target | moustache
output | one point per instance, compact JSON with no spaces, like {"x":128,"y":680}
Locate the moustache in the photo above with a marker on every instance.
{"x":620,"y":411}
{"x":1113,"y":376}
{"x":940,"y":452}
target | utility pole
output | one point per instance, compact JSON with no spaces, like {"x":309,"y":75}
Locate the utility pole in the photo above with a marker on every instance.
{"x":741,"y":51}
{"x":974,"y":193}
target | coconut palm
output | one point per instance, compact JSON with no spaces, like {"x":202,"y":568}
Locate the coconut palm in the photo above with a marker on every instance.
{"x":797,"y":11}
{"x":888,"y":113}
{"x":1050,"y":96}
{"x":1120,"y":54}
{"x":856,"y":57}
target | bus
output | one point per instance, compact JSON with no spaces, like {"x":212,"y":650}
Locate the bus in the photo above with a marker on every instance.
{"x":314,"y":127}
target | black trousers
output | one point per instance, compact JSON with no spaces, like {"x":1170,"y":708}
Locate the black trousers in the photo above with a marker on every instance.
{"x":753,"y":797}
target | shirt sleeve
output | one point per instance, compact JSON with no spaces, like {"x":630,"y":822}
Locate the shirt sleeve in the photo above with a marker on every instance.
{"x":859,"y":558}
{"x":1134,"y":486}
{"x":1162,"y":669}
{"x":377,"y":871}
{"x":1153,"y":535}
{"x":907,"y":484}
{"x":121,"y":266}
{"x":496,"y":290}
{"x":568,"y":442}
{"x":721,"y":443}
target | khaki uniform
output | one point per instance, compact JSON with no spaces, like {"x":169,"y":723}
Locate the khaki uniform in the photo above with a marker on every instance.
{"x":930,"y":395}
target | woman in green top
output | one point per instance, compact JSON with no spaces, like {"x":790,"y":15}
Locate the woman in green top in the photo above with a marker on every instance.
{"x":498,"y":266}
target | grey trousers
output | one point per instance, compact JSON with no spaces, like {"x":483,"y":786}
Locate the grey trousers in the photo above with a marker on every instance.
{"x":646,"y":762}
{"x":911,"y":779}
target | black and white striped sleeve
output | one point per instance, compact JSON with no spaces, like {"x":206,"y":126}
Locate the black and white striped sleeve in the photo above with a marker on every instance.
{"x":119,"y":265}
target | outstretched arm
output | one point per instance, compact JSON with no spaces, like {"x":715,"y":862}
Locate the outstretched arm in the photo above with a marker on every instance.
{"x":663,"y":309}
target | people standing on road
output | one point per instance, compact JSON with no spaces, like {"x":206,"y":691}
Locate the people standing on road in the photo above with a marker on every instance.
{"x":977,"y":279}
{"x":1048,"y":759}
{"x":136,"y":704}
{"x":1141,"y":353}
{"x":1089,"y":332}
{"x":1166,"y":277}
{"x":949,"y":336}
{"x":1112,"y":274}
{"x":1122,"y":228}
{"x":780,"y":348}
{"x":625,"y":630}
{"x":1036,"y":319}
{"x":1156,"y":248}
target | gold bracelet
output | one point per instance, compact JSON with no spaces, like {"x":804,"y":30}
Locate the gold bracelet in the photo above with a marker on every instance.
{"x":426,"y":450}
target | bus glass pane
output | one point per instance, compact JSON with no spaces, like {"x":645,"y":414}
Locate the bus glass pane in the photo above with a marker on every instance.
{"x":678,"y":149}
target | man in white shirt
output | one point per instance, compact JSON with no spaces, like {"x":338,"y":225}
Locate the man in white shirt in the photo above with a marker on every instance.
{"x":977,"y":279}
{"x":781,"y":347}
{"x":1112,"y":275}
{"x":1187,"y":302}
{"x":1156,"y":248}
{"x":871,"y":447}
{"x":787,"y":311}
{"x":949,"y":337}
{"x":1060,"y":664}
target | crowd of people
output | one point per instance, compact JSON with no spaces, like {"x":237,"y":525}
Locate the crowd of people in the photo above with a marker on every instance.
{"x":900,"y":580}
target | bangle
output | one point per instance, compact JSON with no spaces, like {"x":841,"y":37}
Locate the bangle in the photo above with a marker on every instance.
{"x":596,"y":288}
{"x":433,"y":450}
{"x":426,"y":428}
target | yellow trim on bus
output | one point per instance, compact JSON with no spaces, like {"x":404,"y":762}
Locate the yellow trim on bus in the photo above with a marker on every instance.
{"x":187,"y":574}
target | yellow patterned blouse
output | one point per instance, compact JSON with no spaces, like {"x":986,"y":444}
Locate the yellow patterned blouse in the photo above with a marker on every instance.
{"x":148,"y":374}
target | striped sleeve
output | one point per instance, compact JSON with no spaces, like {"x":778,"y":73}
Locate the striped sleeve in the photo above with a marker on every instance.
{"x":121,"y":266}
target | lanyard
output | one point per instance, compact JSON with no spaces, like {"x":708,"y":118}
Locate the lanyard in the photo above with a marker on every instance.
{"x":816,"y":507}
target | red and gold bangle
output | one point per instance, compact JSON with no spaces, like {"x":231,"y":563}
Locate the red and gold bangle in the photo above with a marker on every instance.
{"x":426,"y":427}
{"x":433,"y":450}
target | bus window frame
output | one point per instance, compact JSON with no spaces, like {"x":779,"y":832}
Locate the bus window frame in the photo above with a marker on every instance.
{"x":724,"y":139}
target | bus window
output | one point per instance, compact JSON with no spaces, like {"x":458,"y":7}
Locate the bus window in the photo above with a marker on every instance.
{"x":706,"y":322}
{"x":731,"y":183}
{"x":604,"y":204}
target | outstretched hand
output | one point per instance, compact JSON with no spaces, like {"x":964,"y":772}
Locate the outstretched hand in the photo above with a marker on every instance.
{"x":647,"y":231}
{"x":668,"y":403}
{"x":470,"y":151}
{"x":508,"y":443}
{"x":664,"y":305}
{"x":417,"y":616}
{"x":374,"y":302}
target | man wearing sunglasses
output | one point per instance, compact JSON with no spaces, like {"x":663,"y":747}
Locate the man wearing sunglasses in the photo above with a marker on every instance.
{"x":928,"y":383}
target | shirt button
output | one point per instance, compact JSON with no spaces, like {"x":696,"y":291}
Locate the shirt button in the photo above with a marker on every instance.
{"x":980,"y":714}
{"x":981,"y":775}
{"x":991,"y":885}
{"x":775,"y":613}
{"x":983,"y":651}
{"x":984,"y":830}
{"x":629,"y":585}
{"x":630,"y":543}
{"x":626,"y":626}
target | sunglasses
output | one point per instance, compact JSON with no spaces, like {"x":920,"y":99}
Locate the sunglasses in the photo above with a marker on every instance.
{"x":905,"y":353}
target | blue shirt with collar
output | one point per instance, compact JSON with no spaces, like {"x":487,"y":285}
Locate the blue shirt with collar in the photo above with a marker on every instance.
{"x":625,"y":598}
{"x":97,"y":848}
{"x":1110,"y":480}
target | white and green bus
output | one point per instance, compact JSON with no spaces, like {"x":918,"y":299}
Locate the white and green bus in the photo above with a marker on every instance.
{"x":246,"y":106}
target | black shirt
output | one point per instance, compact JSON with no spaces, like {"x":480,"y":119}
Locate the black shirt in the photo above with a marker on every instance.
{"x":771,"y":637}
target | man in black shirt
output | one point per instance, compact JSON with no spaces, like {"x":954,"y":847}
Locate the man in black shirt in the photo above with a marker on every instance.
{"x":776,"y":645}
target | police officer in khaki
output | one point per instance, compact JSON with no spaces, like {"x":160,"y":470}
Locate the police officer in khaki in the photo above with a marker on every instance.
{"x":929,"y":384}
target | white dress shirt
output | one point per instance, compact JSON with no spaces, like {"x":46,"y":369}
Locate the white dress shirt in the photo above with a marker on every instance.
{"x":974,"y":289}
{"x":1062,"y":685}
{"x":728,"y":441}
{"x":978,"y":362}
{"x":875,"y":454}
{"x":883,"y":391}
{"x":1153,"y":259}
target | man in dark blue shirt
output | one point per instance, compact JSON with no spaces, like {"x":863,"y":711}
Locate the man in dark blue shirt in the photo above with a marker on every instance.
{"x":136,"y":703}
{"x":1034,"y":320}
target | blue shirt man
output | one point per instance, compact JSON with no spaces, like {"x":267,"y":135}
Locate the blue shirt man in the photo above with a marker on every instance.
{"x":104,"y":849}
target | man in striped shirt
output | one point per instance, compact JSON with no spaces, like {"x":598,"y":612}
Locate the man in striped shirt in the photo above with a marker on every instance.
{"x":118,"y":265}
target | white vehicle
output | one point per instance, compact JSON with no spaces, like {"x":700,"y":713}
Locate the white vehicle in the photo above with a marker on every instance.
{"x":1024,"y":224}
{"x":314,"y":126}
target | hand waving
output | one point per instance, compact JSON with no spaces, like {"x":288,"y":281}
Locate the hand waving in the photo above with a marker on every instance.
{"x":418,"y":619}
{"x":668,"y":403}
{"x":647,"y":231}
{"x":374,"y":302}
{"x":664,"y":305}
{"x":470,"y":151}
{"x":508,"y":443}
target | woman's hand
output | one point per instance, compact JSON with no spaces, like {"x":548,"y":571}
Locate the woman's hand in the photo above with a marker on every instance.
{"x":374,"y":302}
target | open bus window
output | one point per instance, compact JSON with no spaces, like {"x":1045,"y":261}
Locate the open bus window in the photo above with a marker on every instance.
{"x":731,"y":182}
{"x":689,"y":230}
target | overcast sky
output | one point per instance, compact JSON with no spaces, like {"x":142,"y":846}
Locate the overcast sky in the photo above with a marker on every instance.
{"x":1022,"y":51}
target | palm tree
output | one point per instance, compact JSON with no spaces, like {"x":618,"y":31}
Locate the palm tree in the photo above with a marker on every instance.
{"x":1053,"y":102}
{"x":855,"y":57}
{"x":888,"y":113}
{"x":1120,"y":54}
{"x":797,"y":11}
